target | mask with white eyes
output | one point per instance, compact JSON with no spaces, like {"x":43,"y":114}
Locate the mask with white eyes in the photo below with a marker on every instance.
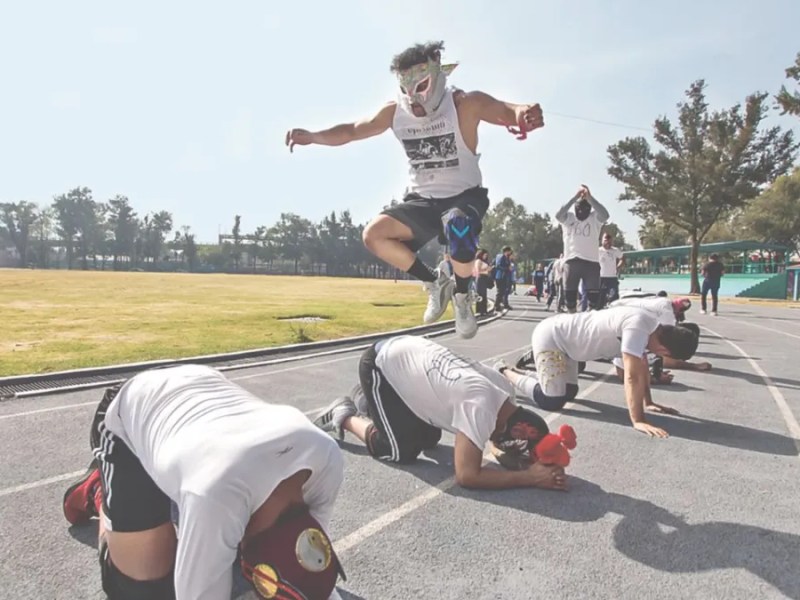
{"x":424,"y":85}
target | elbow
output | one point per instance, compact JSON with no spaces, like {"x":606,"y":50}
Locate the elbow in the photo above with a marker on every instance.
{"x":467,"y":479}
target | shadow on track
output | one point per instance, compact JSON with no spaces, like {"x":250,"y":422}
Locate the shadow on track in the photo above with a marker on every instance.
{"x":692,"y":428}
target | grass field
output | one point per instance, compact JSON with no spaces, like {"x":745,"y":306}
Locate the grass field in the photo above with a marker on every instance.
{"x":56,"y":320}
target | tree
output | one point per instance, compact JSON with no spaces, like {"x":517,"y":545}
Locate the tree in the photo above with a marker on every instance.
{"x":156,"y":227}
{"x":657,"y":234}
{"x":43,"y":226}
{"x":16,"y":220}
{"x":775,"y":215}
{"x":713,"y":163}
{"x":124,"y":226}
{"x":617,"y":236}
{"x":292,"y":234}
{"x":790,"y":101}
{"x":72,"y":211}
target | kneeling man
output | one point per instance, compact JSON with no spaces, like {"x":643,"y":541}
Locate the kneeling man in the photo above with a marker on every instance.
{"x":411,"y":389}
{"x":558,"y":343}
{"x":250,"y":479}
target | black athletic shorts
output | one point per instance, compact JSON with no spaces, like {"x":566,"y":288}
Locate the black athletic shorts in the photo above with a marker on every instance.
{"x":131,"y":499}
{"x":397,"y":434}
{"x":424,"y":215}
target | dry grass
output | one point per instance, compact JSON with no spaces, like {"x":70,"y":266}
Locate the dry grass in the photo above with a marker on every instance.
{"x":55,"y":320}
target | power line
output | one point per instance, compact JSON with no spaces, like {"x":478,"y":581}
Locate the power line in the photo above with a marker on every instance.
{"x":550,"y":112}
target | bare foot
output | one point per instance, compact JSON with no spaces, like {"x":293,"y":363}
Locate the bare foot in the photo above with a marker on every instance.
{"x":550,"y":477}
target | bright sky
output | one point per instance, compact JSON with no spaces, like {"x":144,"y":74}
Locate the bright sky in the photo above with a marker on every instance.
{"x":183,"y":105}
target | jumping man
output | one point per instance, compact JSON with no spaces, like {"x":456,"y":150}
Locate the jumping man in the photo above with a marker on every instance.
{"x":438,"y":127}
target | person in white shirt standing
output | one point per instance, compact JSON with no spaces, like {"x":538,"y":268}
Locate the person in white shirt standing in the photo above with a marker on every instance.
{"x":580,"y":232}
{"x":612,"y":260}
{"x":438,"y":127}
{"x":559,"y":342}
{"x":249,"y":478}
{"x":411,"y":389}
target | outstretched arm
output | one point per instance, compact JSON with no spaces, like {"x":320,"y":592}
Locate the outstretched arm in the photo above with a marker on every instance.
{"x":346,"y":132}
{"x":637,"y":393}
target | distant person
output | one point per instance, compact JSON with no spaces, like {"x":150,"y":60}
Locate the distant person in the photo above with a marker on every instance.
{"x":538,"y":281}
{"x":612,"y":260}
{"x":438,"y":128}
{"x":556,"y":285}
{"x":713,"y":271}
{"x":482,"y":273}
{"x":560,"y":342}
{"x":411,"y":389}
{"x":503,"y":278}
{"x":254,"y":482}
{"x":580,"y":232}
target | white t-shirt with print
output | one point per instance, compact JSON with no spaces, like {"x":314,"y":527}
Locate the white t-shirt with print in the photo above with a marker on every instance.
{"x":580,"y":237}
{"x":443,"y":388}
{"x":596,"y":334}
{"x":608,"y":261}
{"x":660,"y":307}
{"x":219,"y":452}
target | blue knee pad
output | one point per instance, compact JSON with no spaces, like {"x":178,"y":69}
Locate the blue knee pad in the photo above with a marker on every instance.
{"x":462,"y":233}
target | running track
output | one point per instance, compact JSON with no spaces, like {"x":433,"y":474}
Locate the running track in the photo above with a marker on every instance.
{"x":711,"y":512}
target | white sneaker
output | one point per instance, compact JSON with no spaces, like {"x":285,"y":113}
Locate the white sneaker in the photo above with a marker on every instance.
{"x":332,"y":418}
{"x":439,"y":294}
{"x":713,"y":313}
{"x":466,"y":324}
{"x":702,"y":312}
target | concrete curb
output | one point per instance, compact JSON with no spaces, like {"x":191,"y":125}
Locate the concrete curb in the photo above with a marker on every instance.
{"x":304,"y":351}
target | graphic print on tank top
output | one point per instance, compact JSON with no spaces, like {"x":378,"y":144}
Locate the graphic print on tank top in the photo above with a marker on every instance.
{"x":440,"y":164}
{"x":434,"y":151}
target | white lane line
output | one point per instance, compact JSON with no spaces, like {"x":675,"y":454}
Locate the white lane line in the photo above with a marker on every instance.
{"x":46,"y":410}
{"x":29,"y":486}
{"x":783,"y":407}
{"x":362,"y":533}
{"x":746,"y":322}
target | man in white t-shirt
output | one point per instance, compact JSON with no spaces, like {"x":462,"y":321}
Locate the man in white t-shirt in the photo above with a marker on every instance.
{"x":580,"y":231}
{"x":612,"y":260}
{"x":411,"y":388}
{"x":558,"y":343}
{"x":249,"y":479}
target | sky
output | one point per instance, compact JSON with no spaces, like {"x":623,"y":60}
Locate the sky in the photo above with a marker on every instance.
{"x":183,"y":106}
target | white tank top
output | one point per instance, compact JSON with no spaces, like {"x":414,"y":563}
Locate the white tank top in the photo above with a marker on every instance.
{"x":440,"y":164}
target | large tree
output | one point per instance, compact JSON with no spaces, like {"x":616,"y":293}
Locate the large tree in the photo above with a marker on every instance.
{"x":71,"y":211}
{"x":124,"y":226}
{"x":789,"y":101}
{"x":16,"y":221}
{"x":711,"y":164}
{"x":775,"y":215}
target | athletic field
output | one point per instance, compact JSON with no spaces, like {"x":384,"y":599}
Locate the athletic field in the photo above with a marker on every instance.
{"x":58,"y":320}
{"x":711,"y":512}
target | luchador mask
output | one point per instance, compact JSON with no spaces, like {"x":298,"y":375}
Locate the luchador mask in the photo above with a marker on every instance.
{"x":424,"y":84}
